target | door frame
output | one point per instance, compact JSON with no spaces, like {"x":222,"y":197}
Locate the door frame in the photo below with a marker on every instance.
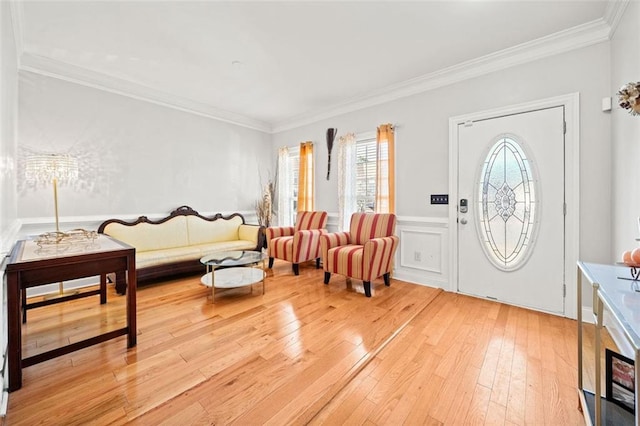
{"x":571,"y":104}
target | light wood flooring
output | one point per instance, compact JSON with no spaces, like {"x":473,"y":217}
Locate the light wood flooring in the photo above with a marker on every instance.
{"x":302,"y":353}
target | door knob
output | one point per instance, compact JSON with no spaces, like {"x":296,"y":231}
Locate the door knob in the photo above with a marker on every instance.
{"x":463,"y":221}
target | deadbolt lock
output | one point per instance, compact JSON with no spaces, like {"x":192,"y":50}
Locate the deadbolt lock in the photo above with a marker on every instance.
{"x":463,"y":205}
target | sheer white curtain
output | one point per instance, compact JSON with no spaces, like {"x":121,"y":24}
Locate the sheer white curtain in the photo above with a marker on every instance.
{"x":285,"y":191}
{"x":346,"y":180}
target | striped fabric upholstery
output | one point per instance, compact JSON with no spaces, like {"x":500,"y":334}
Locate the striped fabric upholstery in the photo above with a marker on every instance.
{"x":306,"y":245}
{"x":311,"y":220}
{"x":378,"y":257}
{"x":364,"y":253}
{"x":329,"y":242}
{"x":300,"y":243}
{"x":274,"y":235}
{"x":282,"y":248}
{"x":345,"y":260}
{"x":365,"y":226}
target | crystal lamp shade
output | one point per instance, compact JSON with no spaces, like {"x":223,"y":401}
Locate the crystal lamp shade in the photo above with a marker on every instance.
{"x":47,"y":167}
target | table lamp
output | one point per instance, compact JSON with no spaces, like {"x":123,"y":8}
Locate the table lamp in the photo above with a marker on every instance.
{"x":52,"y":168}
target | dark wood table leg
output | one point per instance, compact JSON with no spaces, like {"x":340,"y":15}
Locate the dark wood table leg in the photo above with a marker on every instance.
{"x":131,"y":301}
{"x":23,"y":298}
{"x":103,"y":289}
{"x":14,"y":329}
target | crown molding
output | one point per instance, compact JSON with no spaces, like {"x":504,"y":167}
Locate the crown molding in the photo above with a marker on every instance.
{"x":79,"y":75}
{"x":573,"y":38}
{"x":613,"y":14}
{"x":64,"y":71}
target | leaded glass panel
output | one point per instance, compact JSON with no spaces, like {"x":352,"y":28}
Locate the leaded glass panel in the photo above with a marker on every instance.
{"x":507,"y":204}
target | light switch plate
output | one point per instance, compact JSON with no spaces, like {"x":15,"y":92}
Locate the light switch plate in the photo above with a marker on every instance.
{"x":439,"y":198}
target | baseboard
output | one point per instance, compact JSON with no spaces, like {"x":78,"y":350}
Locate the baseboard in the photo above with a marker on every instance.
{"x":616,"y":333}
{"x":587,"y":315}
{"x":419,"y":279}
{"x":4,"y":398}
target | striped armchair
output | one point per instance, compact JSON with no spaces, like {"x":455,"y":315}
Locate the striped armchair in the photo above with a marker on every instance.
{"x":365,"y":253}
{"x":297,"y":244}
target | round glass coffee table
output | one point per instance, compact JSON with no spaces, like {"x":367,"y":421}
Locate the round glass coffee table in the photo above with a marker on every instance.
{"x":233,"y":269}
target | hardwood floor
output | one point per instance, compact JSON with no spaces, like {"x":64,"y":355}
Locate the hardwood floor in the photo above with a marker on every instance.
{"x":302,"y":353}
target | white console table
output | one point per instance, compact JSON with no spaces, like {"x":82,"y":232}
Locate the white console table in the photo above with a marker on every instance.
{"x":613,"y":290}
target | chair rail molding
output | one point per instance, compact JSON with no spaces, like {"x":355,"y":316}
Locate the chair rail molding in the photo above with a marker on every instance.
{"x":428,"y":236}
{"x":38,"y":225}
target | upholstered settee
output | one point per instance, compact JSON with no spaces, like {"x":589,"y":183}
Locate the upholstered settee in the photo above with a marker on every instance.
{"x":175,"y":244}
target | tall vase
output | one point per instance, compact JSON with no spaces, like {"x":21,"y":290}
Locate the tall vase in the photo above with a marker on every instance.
{"x":331,"y":136}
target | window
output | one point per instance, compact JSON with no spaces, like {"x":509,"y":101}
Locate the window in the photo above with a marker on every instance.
{"x":365,"y":182}
{"x":366,"y":174}
{"x":287,"y":193}
{"x":294,"y":160}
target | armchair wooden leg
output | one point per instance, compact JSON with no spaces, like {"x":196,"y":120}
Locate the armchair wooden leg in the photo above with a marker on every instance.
{"x":386,"y":279}
{"x":317,"y":263}
{"x":270,"y":262}
{"x":367,"y":288}
{"x":296,"y":268}
{"x":327,"y":275}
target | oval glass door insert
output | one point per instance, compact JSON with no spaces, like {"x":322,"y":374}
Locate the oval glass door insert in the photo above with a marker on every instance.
{"x":507,"y":204}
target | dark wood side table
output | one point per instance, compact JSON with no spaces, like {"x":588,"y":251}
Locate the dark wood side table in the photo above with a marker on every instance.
{"x":30,"y":266}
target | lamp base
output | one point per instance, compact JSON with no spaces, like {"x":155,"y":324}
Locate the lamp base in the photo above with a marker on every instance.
{"x":61,"y":293}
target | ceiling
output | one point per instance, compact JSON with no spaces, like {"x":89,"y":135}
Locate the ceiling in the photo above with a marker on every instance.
{"x":272,"y":65}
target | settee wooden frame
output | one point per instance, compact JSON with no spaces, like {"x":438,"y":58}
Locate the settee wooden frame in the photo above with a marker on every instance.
{"x":151,"y":274}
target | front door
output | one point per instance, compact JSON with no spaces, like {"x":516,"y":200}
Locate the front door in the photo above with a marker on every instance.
{"x":511,"y":209}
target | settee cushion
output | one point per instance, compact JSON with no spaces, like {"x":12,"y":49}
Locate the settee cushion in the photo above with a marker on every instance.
{"x":202,"y":231}
{"x":147,"y":236}
{"x":182,"y":254}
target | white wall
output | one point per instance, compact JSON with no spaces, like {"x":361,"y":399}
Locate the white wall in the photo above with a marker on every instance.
{"x":135,"y":157}
{"x":8,"y":139}
{"x":422,"y":142}
{"x":625,"y":134}
{"x":8,"y":130}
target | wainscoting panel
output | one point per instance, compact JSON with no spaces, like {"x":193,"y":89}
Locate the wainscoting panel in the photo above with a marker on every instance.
{"x":421,"y":249}
{"x":423,"y":254}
